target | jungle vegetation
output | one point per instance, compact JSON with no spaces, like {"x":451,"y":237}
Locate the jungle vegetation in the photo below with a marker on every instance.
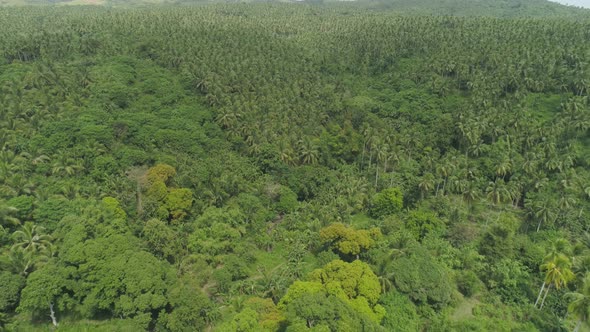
{"x":289,"y":167}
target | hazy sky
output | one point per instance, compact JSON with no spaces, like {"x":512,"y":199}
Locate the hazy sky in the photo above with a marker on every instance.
{"x":581,"y":3}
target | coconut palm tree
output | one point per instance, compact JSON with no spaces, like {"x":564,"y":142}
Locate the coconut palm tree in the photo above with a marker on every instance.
{"x":31,"y":238}
{"x":557,"y":274}
{"x":7,"y":213}
{"x":426,"y":184}
{"x":308,"y":151}
{"x":497,"y":191}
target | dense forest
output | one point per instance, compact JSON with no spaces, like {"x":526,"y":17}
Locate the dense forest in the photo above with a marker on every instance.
{"x":289,"y":167}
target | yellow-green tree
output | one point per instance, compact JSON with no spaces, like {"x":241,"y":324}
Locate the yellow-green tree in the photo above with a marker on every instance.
{"x":347,"y":240}
{"x":354,"y":284}
{"x":169,"y":203}
{"x":557,"y":274}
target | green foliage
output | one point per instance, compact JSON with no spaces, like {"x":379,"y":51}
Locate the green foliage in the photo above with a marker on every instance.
{"x":46,"y":286}
{"x":423,"y":223}
{"x":287,"y":201}
{"x":179,"y":202}
{"x":160,"y":238}
{"x":498,"y":241}
{"x":468,"y":283}
{"x":423,"y":279}
{"x":23,"y":205}
{"x":322,"y":312}
{"x":401,"y":314}
{"x":114,"y":206}
{"x":510,"y":280}
{"x":160,"y":173}
{"x":171,"y":204}
{"x":216,"y":231}
{"x":245,"y":321}
{"x":387,"y":202}
{"x":356,"y":279}
{"x":157,"y":191}
{"x":347,"y":240}
{"x":191,"y":310}
{"x":10,"y":287}
{"x":353,"y":283}
{"x":182,"y":168}
{"x":51,"y":211}
{"x":270,"y":318}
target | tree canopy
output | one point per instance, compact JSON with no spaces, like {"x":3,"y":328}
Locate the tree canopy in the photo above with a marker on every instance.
{"x":294,"y":167}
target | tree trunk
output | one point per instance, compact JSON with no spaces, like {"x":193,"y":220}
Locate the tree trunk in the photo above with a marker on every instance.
{"x":539,"y":225}
{"x":545,"y":296}
{"x":539,"y":296}
{"x":376,"y":177}
{"x":578,"y":325}
{"x":52,"y":314}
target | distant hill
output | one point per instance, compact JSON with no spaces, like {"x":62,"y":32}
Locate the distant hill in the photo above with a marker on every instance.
{"x":494,"y":8}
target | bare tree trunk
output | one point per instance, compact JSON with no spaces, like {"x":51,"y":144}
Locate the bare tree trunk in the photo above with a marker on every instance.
{"x":578,"y":325}
{"x":52,"y":314}
{"x":545,"y":296}
{"x":539,"y":296}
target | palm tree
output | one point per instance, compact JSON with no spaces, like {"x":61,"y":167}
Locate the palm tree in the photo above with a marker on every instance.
{"x":286,"y":153}
{"x":471,"y":193}
{"x":426,"y":184}
{"x":497,"y":191}
{"x":31,"y":238}
{"x":542,"y":209}
{"x":382,"y":151}
{"x":308,"y":151}
{"x":385,"y":275}
{"x":7,"y":217}
{"x":444,"y":169}
{"x":17,"y":261}
{"x":504,"y":167}
{"x":580,"y":303}
{"x":558,"y":274}
{"x":65,"y":165}
{"x":558,"y":247}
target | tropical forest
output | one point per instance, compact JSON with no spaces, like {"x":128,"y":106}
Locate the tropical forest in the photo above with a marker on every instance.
{"x":322,"y":166}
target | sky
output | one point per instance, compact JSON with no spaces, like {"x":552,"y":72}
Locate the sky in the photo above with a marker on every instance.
{"x":580,"y":3}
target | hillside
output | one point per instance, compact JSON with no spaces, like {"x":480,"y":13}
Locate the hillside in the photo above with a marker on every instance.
{"x":495,"y":8}
{"x":288,"y":167}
